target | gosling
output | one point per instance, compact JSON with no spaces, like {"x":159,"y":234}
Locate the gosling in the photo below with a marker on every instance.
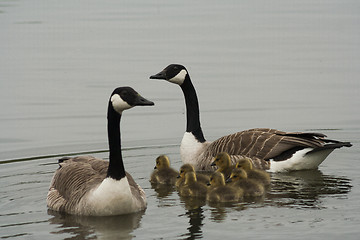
{"x":192,"y":188}
{"x":223,"y":162}
{"x":163,"y":173}
{"x":255,"y":174}
{"x":219,"y":192}
{"x":190,"y":168}
{"x":251,"y":188}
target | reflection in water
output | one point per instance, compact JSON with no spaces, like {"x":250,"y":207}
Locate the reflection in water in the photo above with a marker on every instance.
{"x":81,"y":227}
{"x":196,"y":218}
{"x":219,"y":211}
{"x":163,"y":191}
{"x":191,"y":203}
{"x":304,"y":189}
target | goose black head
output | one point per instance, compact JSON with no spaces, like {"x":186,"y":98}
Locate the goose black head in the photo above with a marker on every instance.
{"x":174,"y":73}
{"x":124,"y":98}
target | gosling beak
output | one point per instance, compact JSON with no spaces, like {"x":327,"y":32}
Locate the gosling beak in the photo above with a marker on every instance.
{"x":228,"y":180}
{"x":155,"y":167}
{"x":213,"y":164}
{"x":209,"y":184}
{"x":161,"y":75}
{"x":178,"y":176}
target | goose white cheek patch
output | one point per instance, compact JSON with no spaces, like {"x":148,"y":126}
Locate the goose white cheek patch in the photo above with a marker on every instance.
{"x":179,"y":78}
{"x":118,"y":104}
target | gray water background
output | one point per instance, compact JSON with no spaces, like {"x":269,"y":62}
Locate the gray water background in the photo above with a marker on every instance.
{"x":289,"y":65}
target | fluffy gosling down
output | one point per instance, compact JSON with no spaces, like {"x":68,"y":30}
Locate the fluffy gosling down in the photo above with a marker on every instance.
{"x":163,"y":173}
{"x":251,"y":188}
{"x":223,"y":162}
{"x":190,"y":168}
{"x":252,"y":173}
{"x":219,"y":192}
{"x":191,"y":187}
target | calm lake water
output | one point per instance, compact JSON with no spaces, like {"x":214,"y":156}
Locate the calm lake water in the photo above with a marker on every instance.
{"x":290,"y":65}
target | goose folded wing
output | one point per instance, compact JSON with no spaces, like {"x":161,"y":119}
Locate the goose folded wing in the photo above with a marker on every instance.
{"x":264,"y":143}
{"x":75,"y":177}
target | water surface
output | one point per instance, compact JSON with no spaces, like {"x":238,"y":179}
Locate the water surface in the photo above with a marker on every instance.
{"x":290,"y":65}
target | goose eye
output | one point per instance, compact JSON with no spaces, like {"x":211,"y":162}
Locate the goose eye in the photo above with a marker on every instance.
{"x":124,"y":93}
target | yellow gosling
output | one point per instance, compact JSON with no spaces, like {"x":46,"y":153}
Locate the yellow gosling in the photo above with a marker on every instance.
{"x":219,"y":192}
{"x":223,"y":162}
{"x":191,"y":187}
{"x":190,"y":168}
{"x":255,"y":174}
{"x":252,"y":188}
{"x":163,"y":173}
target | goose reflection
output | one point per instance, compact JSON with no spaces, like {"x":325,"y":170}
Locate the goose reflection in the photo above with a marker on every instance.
{"x":196,"y":217}
{"x":85,"y":227}
{"x":305,"y":189}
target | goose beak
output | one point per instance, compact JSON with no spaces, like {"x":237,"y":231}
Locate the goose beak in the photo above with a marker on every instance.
{"x":141,"y":101}
{"x":161,"y":75}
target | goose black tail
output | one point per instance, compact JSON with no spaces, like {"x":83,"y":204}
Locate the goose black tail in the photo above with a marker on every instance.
{"x":332,"y":144}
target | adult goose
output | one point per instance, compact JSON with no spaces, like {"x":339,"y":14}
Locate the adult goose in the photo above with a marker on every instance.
{"x":95,"y":187}
{"x":269,"y":149}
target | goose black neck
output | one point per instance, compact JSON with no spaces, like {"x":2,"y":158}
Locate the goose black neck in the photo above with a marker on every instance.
{"x":116,"y":168}
{"x":192,"y":110}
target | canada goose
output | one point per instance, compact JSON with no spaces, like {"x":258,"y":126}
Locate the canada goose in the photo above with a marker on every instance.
{"x":219,"y":192}
{"x":252,"y":188}
{"x":223,"y":162}
{"x":163,"y":173}
{"x":191,"y":187}
{"x":190,"y":168}
{"x":95,"y":187}
{"x":255,"y":174}
{"x":269,"y":149}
